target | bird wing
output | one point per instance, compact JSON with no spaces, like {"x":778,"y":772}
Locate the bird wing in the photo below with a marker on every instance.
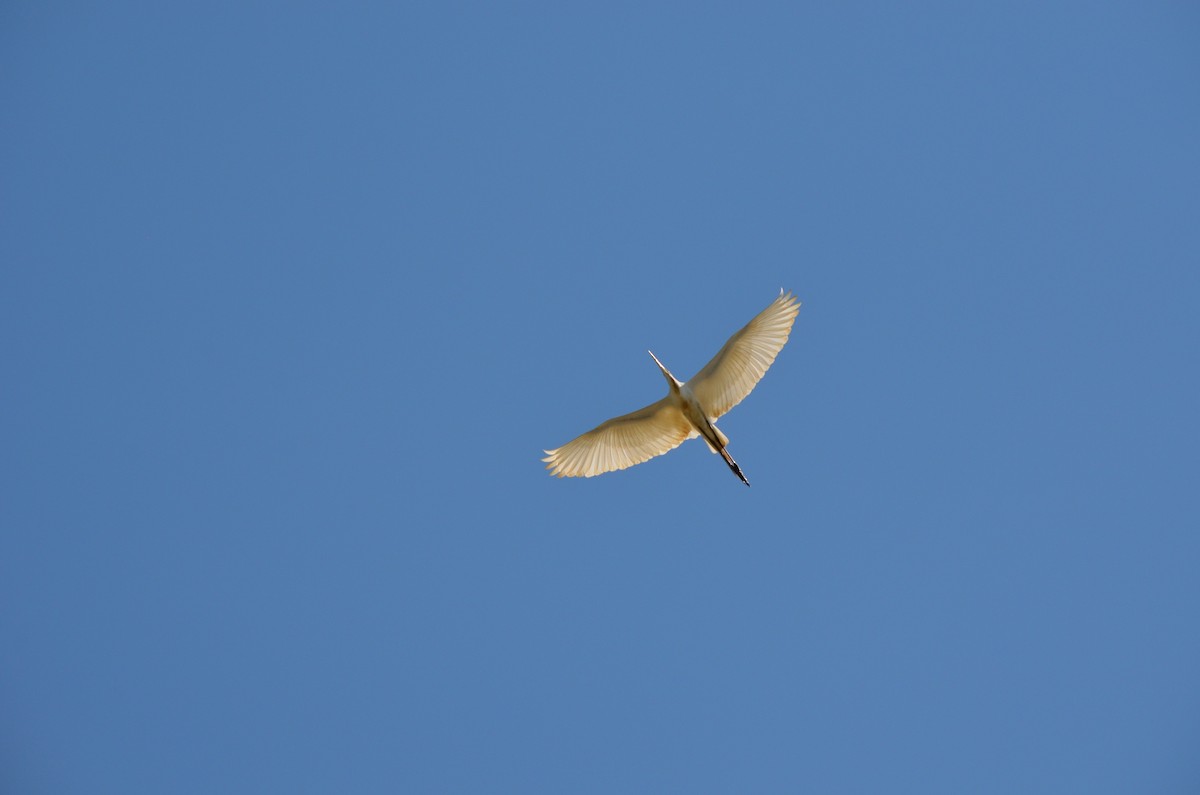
{"x":741,"y":363}
{"x":622,"y":442}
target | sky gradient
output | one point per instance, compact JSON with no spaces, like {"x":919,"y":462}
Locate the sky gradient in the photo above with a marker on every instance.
{"x":293,"y":297}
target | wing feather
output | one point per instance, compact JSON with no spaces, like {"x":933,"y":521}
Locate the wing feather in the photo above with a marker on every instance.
{"x":622,"y":442}
{"x":741,"y":363}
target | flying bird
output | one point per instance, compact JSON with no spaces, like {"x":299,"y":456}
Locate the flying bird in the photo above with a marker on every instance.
{"x":690,"y":409}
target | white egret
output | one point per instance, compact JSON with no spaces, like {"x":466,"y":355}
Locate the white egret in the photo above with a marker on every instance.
{"x":690,"y":408}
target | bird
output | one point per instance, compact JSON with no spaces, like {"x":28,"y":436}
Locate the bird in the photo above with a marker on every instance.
{"x":690,"y":409}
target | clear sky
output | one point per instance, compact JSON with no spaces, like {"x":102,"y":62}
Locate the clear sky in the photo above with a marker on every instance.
{"x":293,"y":296}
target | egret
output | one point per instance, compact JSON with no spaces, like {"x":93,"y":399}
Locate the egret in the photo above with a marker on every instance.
{"x":690,"y":409}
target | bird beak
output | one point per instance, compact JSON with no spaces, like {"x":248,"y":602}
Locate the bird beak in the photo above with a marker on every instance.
{"x":666,"y":373}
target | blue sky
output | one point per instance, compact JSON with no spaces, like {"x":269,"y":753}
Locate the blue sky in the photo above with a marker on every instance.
{"x":294,"y":296}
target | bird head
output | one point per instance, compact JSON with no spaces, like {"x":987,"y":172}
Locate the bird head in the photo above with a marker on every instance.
{"x":672,"y":380}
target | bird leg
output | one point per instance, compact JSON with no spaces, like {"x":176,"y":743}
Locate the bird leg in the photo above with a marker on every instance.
{"x":737,"y":470}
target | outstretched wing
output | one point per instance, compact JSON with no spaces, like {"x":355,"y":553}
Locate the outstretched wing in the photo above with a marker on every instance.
{"x":622,"y":442}
{"x":738,"y":366}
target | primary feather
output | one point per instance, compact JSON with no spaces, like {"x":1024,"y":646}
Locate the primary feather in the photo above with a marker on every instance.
{"x":622,"y":442}
{"x":742,"y":362}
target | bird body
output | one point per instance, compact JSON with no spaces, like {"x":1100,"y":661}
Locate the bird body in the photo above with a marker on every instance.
{"x":690,"y":408}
